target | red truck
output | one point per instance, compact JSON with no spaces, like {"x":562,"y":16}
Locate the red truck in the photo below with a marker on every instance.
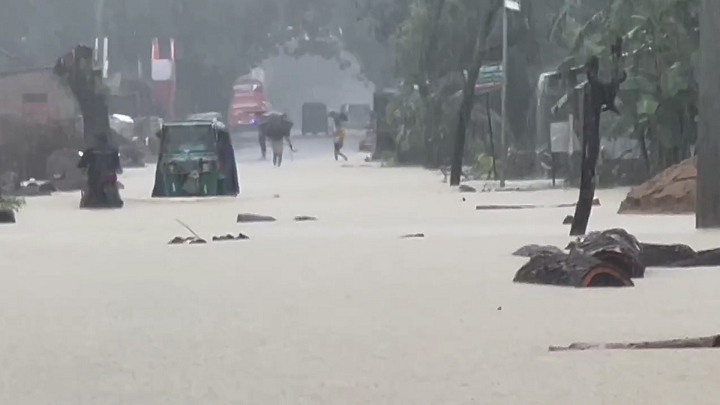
{"x":248,"y":100}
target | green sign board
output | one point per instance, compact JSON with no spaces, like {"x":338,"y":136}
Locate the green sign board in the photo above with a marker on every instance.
{"x":490,"y":74}
{"x":490,"y":79}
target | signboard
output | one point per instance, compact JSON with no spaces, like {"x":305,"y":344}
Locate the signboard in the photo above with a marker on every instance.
{"x":490,"y":79}
{"x":512,"y":5}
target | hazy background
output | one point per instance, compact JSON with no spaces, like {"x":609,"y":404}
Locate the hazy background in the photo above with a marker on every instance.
{"x":292,"y":82}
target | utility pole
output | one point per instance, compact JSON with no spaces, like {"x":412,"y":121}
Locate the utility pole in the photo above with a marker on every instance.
{"x":707,"y":214}
{"x":515,"y":6}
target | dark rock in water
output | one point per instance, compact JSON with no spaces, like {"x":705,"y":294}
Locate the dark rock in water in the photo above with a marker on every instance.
{"x":178,"y":240}
{"x":7,"y":216}
{"x":705,"y":258}
{"x":575,"y":269}
{"x":303,"y":218}
{"x":568,"y":220}
{"x":657,"y":255}
{"x":464,"y":188}
{"x":615,"y":247}
{"x":247,"y":218}
{"x":677,"y":256}
{"x":532,"y":250}
{"x":229,"y":236}
{"x":413,"y":235}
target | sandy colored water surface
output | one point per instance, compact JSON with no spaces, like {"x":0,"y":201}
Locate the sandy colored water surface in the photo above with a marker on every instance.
{"x":98,"y":309}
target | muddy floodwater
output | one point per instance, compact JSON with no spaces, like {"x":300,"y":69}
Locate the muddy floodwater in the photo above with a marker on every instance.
{"x":97,"y":309}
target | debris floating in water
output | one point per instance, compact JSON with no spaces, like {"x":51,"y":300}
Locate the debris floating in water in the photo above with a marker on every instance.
{"x":304,"y":218}
{"x":413,"y":235}
{"x":247,"y":218}
{"x":491,"y":207}
{"x":179,"y":240}
{"x":190,"y":240}
{"x":241,"y":236}
{"x":706,"y":342}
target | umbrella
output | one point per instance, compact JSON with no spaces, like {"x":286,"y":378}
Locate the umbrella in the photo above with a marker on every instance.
{"x":275,"y":121}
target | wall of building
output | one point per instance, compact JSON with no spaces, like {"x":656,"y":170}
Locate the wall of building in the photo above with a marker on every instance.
{"x":14,"y":88}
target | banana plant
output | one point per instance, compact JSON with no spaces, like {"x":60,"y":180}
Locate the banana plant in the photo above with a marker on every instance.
{"x":659,"y":98}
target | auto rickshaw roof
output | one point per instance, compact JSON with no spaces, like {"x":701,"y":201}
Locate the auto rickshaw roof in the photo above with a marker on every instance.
{"x":205,"y":116}
{"x":196,"y":123}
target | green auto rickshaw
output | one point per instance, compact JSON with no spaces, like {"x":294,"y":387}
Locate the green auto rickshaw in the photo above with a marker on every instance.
{"x":196,"y":159}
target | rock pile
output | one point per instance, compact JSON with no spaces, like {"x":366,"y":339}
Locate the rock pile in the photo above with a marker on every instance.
{"x":670,"y":192}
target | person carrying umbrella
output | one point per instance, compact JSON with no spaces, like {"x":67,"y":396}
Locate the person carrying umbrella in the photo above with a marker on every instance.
{"x":277,"y":127}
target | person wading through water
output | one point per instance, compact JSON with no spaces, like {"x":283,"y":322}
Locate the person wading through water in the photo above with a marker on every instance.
{"x":277,"y":127}
{"x":262,"y":138}
{"x":102,"y":163}
{"x":339,"y":135}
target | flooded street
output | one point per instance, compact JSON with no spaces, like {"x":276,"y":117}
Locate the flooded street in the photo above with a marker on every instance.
{"x":97,"y":308}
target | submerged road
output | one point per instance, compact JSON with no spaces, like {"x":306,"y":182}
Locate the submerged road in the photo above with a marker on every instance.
{"x":97,"y":308}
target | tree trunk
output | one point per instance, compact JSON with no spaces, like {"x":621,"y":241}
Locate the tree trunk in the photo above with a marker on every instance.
{"x":598,"y":97}
{"x":76,"y":67}
{"x":468,"y":92}
{"x":708,"y":181}
{"x":571,"y":270}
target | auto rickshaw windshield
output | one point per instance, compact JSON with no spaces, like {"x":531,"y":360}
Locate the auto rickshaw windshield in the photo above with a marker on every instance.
{"x":189,"y":138}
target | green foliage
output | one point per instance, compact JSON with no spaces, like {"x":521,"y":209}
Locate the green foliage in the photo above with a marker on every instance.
{"x":434,"y":45}
{"x":661,"y":40}
{"x":11,"y":203}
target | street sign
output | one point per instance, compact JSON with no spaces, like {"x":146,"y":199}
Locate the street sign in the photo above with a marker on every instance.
{"x":490,"y":79}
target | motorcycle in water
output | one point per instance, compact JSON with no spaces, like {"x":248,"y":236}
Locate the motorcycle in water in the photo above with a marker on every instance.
{"x":105,"y":193}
